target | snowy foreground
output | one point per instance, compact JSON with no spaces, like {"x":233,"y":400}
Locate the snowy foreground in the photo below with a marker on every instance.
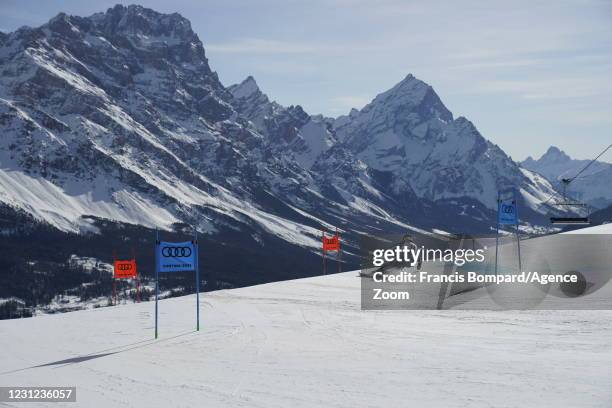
{"x":306,"y":343}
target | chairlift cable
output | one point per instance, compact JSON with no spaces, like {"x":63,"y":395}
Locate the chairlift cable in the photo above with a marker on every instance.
{"x":589,"y":164}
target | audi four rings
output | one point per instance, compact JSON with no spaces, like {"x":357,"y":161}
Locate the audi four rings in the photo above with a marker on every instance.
{"x":176,"y":252}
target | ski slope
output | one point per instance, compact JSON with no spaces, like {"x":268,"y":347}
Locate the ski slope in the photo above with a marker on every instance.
{"x":306,"y":343}
{"x":598,"y":229}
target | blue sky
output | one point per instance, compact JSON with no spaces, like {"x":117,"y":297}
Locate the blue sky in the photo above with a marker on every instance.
{"x":529,"y":74}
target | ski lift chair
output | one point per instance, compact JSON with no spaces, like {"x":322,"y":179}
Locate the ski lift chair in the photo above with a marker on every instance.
{"x":570,"y":220}
{"x":569,"y":203}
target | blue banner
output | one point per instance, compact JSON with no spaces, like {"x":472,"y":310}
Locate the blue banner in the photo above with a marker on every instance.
{"x":506,"y":213}
{"x":176,"y":256}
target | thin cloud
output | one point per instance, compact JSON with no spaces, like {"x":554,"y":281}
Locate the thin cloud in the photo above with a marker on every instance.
{"x":554,"y":88}
{"x":261,"y":46}
{"x":348,"y":102}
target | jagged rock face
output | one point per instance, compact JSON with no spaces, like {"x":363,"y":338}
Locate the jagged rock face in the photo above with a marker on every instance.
{"x":130,"y":74}
{"x":118,"y":115}
{"x":287,"y":129}
{"x":126,"y":97}
{"x":252,"y":103}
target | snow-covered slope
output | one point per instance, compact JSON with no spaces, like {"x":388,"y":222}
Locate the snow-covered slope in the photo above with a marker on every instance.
{"x":597,"y":229}
{"x":63,"y":207}
{"x":306,"y":343}
{"x":594,"y":185}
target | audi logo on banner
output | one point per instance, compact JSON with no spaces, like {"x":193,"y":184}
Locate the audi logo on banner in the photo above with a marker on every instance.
{"x":507,"y":209}
{"x":176,"y":252}
{"x":124,"y":269}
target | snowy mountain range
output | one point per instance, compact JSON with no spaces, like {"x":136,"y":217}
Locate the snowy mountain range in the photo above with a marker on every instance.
{"x":593,"y":185}
{"x":118,"y":116}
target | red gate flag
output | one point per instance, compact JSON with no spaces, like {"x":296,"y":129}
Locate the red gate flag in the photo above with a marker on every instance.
{"x":124,"y":269}
{"x":331,"y":244}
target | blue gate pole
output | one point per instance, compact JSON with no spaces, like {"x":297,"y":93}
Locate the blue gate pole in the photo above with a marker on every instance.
{"x":197,"y":267}
{"x":497,"y":234}
{"x":518,"y":237}
{"x":156,"y":277}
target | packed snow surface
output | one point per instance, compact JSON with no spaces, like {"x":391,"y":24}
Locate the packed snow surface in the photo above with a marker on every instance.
{"x":306,"y":343}
{"x":598,"y":229}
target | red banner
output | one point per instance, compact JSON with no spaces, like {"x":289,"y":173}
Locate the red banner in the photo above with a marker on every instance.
{"x":331,"y":244}
{"x":124,"y":269}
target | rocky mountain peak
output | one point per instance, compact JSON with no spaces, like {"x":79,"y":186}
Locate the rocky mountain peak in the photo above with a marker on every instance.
{"x":245,"y":89}
{"x":554,"y":154}
{"x":409,"y":86}
{"x":411,"y":95}
{"x":136,"y":28}
{"x":141,"y":21}
{"x":133,"y":20}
